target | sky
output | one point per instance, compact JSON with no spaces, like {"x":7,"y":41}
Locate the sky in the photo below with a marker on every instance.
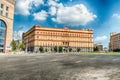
{"x":103,"y":16}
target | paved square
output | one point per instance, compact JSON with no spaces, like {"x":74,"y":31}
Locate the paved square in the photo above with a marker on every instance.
{"x":60,"y":67}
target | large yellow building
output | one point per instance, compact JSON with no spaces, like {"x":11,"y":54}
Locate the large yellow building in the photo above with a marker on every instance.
{"x":114,"y":44}
{"x":64,"y":37}
{"x":6,"y":24}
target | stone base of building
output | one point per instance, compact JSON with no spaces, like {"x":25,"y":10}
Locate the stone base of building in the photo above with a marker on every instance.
{"x":4,"y":51}
{"x":37,"y":49}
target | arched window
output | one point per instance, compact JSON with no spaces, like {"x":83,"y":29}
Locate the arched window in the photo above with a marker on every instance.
{"x":2,"y":34}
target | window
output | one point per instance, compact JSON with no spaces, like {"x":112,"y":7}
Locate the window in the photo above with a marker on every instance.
{"x":1,"y":5}
{"x":37,"y":36}
{"x":2,"y":24}
{"x":7,"y":8}
{"x":6,"y":14}
{"x":1,"y":12}
{"x":1,"y":41}
{"x":2,"y":34}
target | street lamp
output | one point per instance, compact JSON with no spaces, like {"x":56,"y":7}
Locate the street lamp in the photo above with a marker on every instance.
{"x":26,"y":46}
{"x":18,"y":36}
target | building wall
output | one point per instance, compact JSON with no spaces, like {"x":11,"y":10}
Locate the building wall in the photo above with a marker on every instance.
{"x":41,"y":36}
{"x":99,"y":47}
{"x":114,"y":42}
{"x":7,"y":17}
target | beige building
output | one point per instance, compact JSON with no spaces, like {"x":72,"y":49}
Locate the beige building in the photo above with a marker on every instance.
{"x":98,"y":47}
{"x":6,"y":24}
{"x":50,"y":37}
{"x":114,"y":44}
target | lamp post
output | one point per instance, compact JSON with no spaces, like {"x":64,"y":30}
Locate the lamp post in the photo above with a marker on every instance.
{"x":18,"y":36}
{"x":26,"y":46}
{"x":58,"y":49}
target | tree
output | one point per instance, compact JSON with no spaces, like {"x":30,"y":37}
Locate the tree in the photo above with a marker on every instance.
{"x":78,"y":49}
{"x":55,"y":48}
{"x":105,"y":49}
{"x":70,"y":49}
{"x":13,"y":45}
{"x":116,"y":50}
{"x":46,"y":50}
{"x":96,"y":49}
{"x":41,"y":49}
{"x":17,"y":44}
{"x":60,"y":49}
{"x":22,"y":46}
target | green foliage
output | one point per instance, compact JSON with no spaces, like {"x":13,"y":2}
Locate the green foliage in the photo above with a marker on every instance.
{"x":41,"y":49}
{"x":70,"y":49}
{"x":13,"y":45}
{"x":60,"y":49}
{"x":55,"y":48}
{"x":17,"y":45}
{"x":78,"y":49}
{"x":22,"y":46}
{"x":112,"y":52}
{"x":46,"y":50}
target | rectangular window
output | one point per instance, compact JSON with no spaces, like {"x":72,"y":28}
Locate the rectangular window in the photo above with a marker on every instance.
{"x":7,"y":8}
{"x":1,"y":41}
{"x":6,"y":14}
{"x":1,"y":5}
{"x":2,"y":33}
{"x":1,"y":12}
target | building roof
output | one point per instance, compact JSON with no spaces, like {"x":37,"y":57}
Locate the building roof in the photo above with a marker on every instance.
{"x":115,"y":34}
{"x":38,"y":27}
{"x":11,"y":1}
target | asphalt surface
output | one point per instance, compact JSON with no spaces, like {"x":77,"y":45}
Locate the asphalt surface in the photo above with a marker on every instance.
{"x":60,"y":67}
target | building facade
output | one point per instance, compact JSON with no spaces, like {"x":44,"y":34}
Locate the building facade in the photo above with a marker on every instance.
{"x":114,"y":44}
{"x":98,"y":47}
{"x":64,"y":37}
{"x":6,"y":24}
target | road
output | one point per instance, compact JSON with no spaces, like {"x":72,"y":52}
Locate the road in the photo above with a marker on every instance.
{"x":60,"y":67}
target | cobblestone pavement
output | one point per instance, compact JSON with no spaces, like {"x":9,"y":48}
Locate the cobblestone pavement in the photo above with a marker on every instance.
{"x":60,"y":67}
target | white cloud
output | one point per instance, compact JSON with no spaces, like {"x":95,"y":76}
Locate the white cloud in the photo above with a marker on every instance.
{"x":74,"y":15}
{"x":52,"y":3}
{"x":40,"y":15}
{"x":116,"y":15}
{"x":17,"y":35}
{"x":100,"y":38}
{"x":52,"y":10}
{"x":37,"y":2}
{"x":23,"y":6}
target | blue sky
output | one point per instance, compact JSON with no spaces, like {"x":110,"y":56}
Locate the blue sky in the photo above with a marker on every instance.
{"x":103,"y":16}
